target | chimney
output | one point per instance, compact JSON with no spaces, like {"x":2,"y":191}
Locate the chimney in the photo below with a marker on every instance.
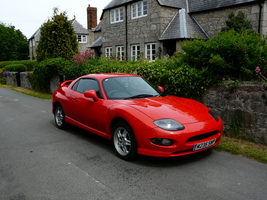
{"x":91,"y":17}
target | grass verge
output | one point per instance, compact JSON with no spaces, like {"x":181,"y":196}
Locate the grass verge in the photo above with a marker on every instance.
{"x":33,"y":93}
{"x":245,"y":148}
{"x":28,"y":92}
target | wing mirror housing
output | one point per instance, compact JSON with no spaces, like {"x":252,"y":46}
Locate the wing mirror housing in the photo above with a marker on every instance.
{"x":91,"y":94}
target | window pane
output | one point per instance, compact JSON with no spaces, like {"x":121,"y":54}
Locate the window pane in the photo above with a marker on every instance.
{"x":139,"y":9}
{"x":145,"y":8}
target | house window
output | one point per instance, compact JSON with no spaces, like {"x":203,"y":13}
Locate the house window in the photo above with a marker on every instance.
{"x":108,"y":52}
{"x":139,"y":9}
{"x":151,"y":51}
{"x":82,"y":38}
{"x":116,"y":15}
{"x":135,"y":52}
{"x":120,"y":52}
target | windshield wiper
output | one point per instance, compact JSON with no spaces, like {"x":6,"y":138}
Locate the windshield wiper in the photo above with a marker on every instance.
{"x":141,"y":96}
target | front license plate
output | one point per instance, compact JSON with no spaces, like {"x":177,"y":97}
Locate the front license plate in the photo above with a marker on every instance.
{"x":204,"y":145}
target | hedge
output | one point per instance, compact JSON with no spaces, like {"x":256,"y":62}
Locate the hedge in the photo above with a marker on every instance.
{"x":30,"y":64}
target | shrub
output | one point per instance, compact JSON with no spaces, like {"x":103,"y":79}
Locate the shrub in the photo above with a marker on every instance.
{"x":229,"y":54}
{"x":45,"y":70}
{"x":16,"y":68}
{"x":30,"y":64}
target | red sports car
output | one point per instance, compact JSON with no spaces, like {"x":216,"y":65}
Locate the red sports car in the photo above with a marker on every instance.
{"x":135,"y":116}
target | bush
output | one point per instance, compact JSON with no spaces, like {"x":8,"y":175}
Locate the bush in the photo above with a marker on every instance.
{"x":30,"y":64}
{"x":229,"y":54}
{"x":45,"y":70}
{"x":15,"y":68}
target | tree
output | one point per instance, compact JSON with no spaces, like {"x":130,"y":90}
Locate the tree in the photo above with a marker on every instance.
{"x":57,"y":39}
{"x":13,"y":44}
{"x":238,"y":23}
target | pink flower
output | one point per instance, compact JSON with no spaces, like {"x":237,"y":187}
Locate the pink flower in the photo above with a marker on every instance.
{"x":257,"y":69}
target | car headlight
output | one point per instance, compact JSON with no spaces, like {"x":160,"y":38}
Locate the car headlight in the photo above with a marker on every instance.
{"x":169,"y":124}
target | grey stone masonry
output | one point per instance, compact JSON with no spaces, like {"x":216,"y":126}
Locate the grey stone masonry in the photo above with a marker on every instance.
{"x":141,"y":30}
{"x":24,"y":80}
{"x":213,"y":21}
{"x":243,"y":109}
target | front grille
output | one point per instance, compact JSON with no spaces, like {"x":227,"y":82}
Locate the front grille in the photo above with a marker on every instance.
{"x":202,"y":136}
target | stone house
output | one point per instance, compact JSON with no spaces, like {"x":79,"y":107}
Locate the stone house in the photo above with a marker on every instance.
{"x":84,"y":36}
{"x":133,"y":29}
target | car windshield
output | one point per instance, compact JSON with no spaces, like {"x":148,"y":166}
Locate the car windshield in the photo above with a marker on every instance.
{"x":128,"y":87}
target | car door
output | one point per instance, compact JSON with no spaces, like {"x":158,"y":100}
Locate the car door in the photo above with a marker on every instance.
{"x":85,"y":110}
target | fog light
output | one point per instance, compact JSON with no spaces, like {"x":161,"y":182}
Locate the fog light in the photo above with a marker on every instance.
{"x":162,"y":141}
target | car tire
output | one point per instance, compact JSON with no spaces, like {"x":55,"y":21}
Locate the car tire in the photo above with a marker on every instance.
{"x":124,"y":142}
{"x":59,"y":117}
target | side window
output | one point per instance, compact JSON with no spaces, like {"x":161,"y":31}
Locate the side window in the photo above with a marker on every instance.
{"x":86,"y":84}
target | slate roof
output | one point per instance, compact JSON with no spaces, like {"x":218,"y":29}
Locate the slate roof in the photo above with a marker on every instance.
{"x":204,"y":5}
{"x":169,"y":3}
{"x":116,"y":3}
{"x":78,"y":28}
{"x":98,"y":27}
{"x":182,"y":26}
{"x":97,"y":43}
{"x":173,"y":3}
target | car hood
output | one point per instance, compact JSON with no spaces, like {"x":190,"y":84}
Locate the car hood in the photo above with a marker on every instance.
{"x":181,"y":109}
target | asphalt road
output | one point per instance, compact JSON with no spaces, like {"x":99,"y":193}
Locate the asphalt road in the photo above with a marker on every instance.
{"x":39,"y":161}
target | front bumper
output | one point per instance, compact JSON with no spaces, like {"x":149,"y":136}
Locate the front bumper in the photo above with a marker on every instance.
{"x":184,"y":141}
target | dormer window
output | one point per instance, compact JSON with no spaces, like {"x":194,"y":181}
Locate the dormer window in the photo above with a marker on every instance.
{"x":116,"y":15}
{"x":139,"y":9}
{"x":82,"y":38}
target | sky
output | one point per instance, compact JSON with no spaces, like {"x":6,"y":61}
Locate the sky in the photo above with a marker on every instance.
{"x":29,"y":15}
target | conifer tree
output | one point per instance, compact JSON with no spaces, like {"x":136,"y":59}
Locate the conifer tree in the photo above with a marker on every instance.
{"x":57,"y":39}
{"x":238,"y":23}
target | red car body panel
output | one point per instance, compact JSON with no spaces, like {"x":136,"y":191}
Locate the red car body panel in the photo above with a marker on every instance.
{"x":98,"y":116}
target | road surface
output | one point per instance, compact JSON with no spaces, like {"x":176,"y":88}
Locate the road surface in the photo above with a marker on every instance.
{"x":39,"y":161}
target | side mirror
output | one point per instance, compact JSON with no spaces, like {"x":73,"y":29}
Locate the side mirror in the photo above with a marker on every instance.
{"x":91,"y":94}
{"x":161,"y":88}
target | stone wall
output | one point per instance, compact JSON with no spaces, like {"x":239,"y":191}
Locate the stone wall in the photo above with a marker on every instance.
{"x":12,"y":78}
{"x":243,"y":109}
{"x":213,"y":21}
{"x":24,"y":80}
{"x":21,"y":79}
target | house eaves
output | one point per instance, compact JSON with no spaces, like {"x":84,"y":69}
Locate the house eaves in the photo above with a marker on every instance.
{"x":172,"y":3}
{"x":98,"y":27}
{"x":97,"y":43}
{"x":183,"y":26}
{"x":205,"y":5}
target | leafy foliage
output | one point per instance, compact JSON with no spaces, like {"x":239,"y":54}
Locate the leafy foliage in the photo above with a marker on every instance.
{"x":45,"y":70}
{"x":238,"y":23}
{"x":57,"y":39}
{"x":16,"y":68}
{"x":229,"y":54}
{"x":13,"y":44}
{"x":30,"y":64}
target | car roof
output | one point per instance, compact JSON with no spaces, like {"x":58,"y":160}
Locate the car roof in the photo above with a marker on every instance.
{"x":108,"y":75}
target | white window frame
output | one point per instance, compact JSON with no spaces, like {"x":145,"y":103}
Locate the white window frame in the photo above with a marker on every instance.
{"x":139,"y":9}
{"x":82,"y":38}
{"x":151,"y":51}
{"x":108,"y":52}
{"x":135,"y":51}
{"x":116,"y":15}
{"x":120,"y":52}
